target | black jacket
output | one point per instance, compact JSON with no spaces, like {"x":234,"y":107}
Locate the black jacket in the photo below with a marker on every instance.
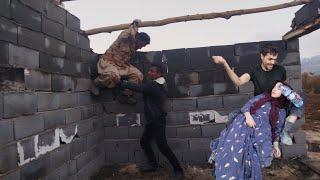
{"x":154,"y":97}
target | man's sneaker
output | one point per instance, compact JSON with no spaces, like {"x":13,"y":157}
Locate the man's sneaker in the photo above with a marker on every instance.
{"x":286,"y":138}
{"x":94,"y":89}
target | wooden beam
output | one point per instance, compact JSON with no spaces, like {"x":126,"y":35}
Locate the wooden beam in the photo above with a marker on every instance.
{"x":302,"y":30}
{"x":213,"y":15}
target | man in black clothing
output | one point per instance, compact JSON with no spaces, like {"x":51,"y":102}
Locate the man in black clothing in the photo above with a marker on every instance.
{"x":154,"y":96}
{"x":264,"y":77}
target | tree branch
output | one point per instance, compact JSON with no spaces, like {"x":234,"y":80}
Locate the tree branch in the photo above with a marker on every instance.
{"x":213,"y":15}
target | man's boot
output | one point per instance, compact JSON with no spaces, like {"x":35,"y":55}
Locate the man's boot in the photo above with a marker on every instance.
{"x":285,"y":135}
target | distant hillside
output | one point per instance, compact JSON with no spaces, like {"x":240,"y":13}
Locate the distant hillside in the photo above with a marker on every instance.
{"x":311,"y":64}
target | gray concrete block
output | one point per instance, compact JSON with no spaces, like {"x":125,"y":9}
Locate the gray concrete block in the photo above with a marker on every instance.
{"x":117,"y":157}
{"x":73,"y":53}
{"x":73,"y":22}
{"x":11,"y":79}
{"x":293,"y":45}
{"x":247,"y":48}
{"x":67,"y":100}
{"x":138,"y":157}
{"x":46,"y":138}
{"x":88,"y":56}
{"x":38,"y":5}
{"x":61,"y":83}
{"x":72,"y":68}
{"x":135,"y":132}
{"x":222,"y":50}
{"x":52,"y":28}
{"x":36,"y":169}
{"x":31,"y":39}
{"x":97,"y":124}
{"x":28,"y":145}
{"x":196,"y":156}
{"x":5,"y":8}
{"x":189,"y":132}
{"x":200,"y":58}
{"x":84,"y":42}
{"x":195,"y":90}
{"x":56,"y":13}
{"x":54,"y":118}
{"x":116,"y":133}
{"x":184,"y":104}
{"x":110,"y":145}
{"x":54,"y":47}
{"x":78,"y":146}
{"x":36,"y":80}
{"x":224,"y":88}
{"x":290,"y":58}
{"x":210,"y":102}
{"x":176,"y":59}
{"x":83,"y":159}
{"x":95,"y":138}
{"x":171,"y":131}
{"x":235,"y":101}
{"x":8,"y":159}
{"x":85,"y":127}
{"x":81,"y":84}
{"x":28,"y":125}
{"x":290,"y":151}
{"x":178,"y":118}
{"x":48,"y":101}
{"x":200,"y":144}
{"x":87,"y":111}
{"x":73,"y":115}
{"x":212,"y":131}
{"x":16,"y":104}
{"x":12,"y":175}
{"x":67,"y":170}
{"x":8,"y":30}
{"x":50,"y":64}
{"x":6,"y":132}
{"x":296,"y":84}
{"x":71,"y":37}
{"x":59,"y":156}
{"x":109,"y":120}
{"x":25,"y":15}
{"x":293,"y":72}
{"x":178,"y":144}
{"x":84,"y":98}
{"x":98,"y":109}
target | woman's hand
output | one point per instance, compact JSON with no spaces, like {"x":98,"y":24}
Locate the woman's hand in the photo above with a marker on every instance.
{"x":249,"y":120}
{"x":276,"y":150}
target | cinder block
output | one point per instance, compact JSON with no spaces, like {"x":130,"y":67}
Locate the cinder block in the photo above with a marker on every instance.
{"x":178,"y":144}
{"x":235,"y":101}
{"x":61,"y":83}
{"x":246,"y":88}
{"x":72,"y":68}
{"x":54,"y":118}
{"x":135,"y":132}
{"x":296,"y":84}
{"x":81,"y":84}
{"x":12,"y":175}
{"x":78,"y":146}
{"x":68,"y":169}
{"x":71,"y":37}
{"x":293,"y":45}
{"x":30,"y":39}
{"x":212,"y":131}
{"x":84,"y":42}
{"x":8,"y":159}
{"x":184,"y":104}
{"x":50,"y":64}
{"x":8,"y":30}
{"x":16,"y":104}
{"x":290,"y":151}
{"x":128,"y":145}
{"x":88,"y":56}
{"x":195,"y":90}
{"x":290,"y":58}
{"x":189,"y":132}
{"x":177,"y":118}
{"x":28,"y":125}
{"x":59,"y":156}
{"x":73,"y":115}
{"x":45,"y":138}
{"x":28,"y":145}
{"x":25,"y":15}
{"x":110,"y":145}
{"x":5,"y":8}
{"x":109,"y":120}
{"x":200,"y":58}
{"x":200,"y":144}
{"x":116,"y":133}
{"x":171,"y":131}
{"x":37,"y":169}
{"x":85,"y":127}
{"x":52,"y":28}
{"x":280,"y":45}
{"x":117,"y":157}
{"x":227,"y":50}
{"x":73,"y":53}
{"x":36,"y":80}
{"x":97,"y":124}
{"x":67,"y":100}
{"x":176,"y":59}
{"x":73,"y":22}
{"x":11,"y":79}
{"x":84,"y":98}
{"x":247,"y":48}
{"x":138,"y":156}
{"x":212,"y":76}
{"x":56,"y":13}
{"x":293,"y":72}
{"x":95,"y":138}
{"x":98,"y":110}
{"x":210,"y":102}
{"x":224,"y":88}
{"x":6,"y":132}
{"x":38,"y":5}
{"x":196,"y":157}
{"x":55,"y":47}
{"x":249,"y":60}
{"x":48,"y":101}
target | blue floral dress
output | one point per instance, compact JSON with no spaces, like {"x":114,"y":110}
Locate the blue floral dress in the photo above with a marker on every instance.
{"x":241,"y":151}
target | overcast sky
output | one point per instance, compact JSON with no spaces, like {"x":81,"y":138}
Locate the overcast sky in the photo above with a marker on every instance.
{"x":238,"y":29}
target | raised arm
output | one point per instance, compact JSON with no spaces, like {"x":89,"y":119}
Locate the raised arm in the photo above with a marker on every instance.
{"x":238,"y":81}
{"x":131,"y":32}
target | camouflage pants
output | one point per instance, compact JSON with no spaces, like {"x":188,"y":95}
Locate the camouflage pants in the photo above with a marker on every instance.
{"x":110,"y":75}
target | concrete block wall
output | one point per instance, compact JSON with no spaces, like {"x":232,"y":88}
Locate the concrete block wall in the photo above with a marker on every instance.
{"x":50,"y":126}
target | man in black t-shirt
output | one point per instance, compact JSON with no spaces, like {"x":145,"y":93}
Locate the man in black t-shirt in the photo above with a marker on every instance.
{"x":264,"y":77}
